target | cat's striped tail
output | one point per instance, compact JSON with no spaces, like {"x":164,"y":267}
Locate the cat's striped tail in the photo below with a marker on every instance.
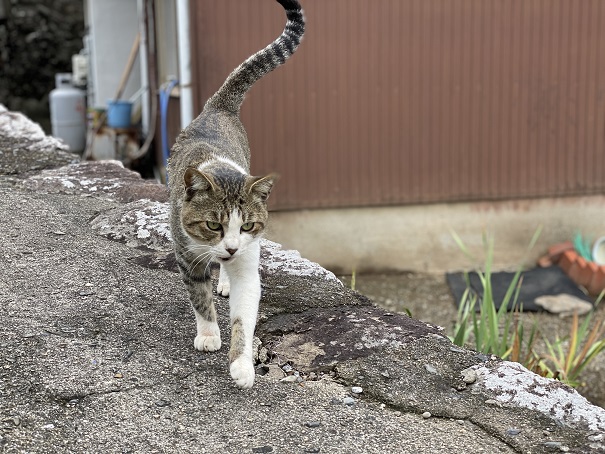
{"x":231,"y":95}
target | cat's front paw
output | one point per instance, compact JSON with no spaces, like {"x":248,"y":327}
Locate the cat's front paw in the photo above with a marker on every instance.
{"x":223,"y":288}
{"x":207,"y":343}
{"x":242,"y":371}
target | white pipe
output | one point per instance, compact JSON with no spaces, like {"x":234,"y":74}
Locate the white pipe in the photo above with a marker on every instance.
{"x":184,"y":51}
{"x":144,"y":67}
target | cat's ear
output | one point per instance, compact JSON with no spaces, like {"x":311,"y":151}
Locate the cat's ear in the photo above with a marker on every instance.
{"x":197,"y":181}
{"x":261,"y":186}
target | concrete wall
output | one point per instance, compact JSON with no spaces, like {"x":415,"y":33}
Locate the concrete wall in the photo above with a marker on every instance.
{"x":166,"y":40}
{"x":419,"y":238}
{"x":113,"y":26}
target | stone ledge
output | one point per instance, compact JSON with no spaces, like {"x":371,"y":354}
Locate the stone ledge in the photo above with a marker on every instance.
{"x":99,"y":178}
{"x":311,"y":321}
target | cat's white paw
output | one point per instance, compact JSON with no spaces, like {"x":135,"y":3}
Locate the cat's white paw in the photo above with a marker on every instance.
{"x":242,"y":371}
{"x":223,"y":288}
{"x":207,"y":343}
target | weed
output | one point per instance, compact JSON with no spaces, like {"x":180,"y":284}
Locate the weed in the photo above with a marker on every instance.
{"x":583,"y":345}
{"x":500,"y":332}
{"x":495,"y":331}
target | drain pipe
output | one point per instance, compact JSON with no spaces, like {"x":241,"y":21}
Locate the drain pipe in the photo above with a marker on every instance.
{"x":165,"y":90}
{"x":148,"y":18}
{"x":186,"y":98}
{"x":145,"y":114}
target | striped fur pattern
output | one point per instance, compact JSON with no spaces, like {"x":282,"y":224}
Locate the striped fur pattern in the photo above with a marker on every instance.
{"x":231,"y":95}
{"x":219,"y":211}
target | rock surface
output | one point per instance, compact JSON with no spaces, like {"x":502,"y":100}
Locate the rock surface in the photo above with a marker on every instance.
{"x":24,"y":148}
{"x":97,"y":346}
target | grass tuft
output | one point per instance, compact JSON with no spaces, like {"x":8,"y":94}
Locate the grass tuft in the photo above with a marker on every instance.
{"x":501,"y":332}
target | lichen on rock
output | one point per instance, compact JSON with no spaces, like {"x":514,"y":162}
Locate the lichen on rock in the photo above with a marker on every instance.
{"x":143,"y":223}
{"x":511,"y":383}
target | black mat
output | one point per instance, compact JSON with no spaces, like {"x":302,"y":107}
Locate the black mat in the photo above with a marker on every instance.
{"x":536,"y":282}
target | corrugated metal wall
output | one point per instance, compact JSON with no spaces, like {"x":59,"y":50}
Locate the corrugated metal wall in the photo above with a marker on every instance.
{"x":415,"y":101}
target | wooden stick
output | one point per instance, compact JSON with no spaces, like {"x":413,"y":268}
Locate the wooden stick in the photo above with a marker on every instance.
{"x":127,"y":70}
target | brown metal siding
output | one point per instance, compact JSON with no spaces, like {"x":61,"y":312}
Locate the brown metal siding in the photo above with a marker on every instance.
{"x":415,"y":101}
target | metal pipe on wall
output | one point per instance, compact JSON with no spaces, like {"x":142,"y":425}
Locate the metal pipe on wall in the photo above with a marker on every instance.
{"x":144,"y":67}
{"x":184,"y":51}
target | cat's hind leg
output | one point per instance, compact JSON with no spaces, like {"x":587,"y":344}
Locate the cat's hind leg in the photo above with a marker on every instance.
{"x":199,"y":286}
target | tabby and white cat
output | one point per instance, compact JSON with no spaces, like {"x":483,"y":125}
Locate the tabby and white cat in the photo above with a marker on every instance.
{"x":219,"y":211}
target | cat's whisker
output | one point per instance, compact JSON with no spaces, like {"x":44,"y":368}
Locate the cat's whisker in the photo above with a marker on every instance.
{"x":205,"y":257}
{"x":199,"y":256}
{"x":207,"y":265}
{"x":197,"y":248}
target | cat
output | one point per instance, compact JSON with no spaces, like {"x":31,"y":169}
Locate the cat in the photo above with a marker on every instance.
{"x":218,"y":211}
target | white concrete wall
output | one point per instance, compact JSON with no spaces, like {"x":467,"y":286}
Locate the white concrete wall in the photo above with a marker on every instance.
{"x":166,"y":29}
{"x":418,"y":238}
{"x":113,"y":26}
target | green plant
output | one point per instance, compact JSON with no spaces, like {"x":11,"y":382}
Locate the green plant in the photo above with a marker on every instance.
{"x":522,"y":350}
{"x":583,"y":345}
{"x":500,"y":332}
{"x":495,"y":331}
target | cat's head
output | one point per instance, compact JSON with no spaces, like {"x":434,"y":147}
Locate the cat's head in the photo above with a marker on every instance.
{"x":224,"y":211}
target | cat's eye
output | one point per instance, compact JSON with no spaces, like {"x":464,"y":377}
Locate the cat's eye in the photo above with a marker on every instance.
{"x":248,"y":226}
{"x":213,"y":225}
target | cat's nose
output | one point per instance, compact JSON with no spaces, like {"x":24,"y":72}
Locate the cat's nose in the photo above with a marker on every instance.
{"x":231,"y":251}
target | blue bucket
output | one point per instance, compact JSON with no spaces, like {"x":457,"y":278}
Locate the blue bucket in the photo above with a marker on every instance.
{"x":118,"y":114}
